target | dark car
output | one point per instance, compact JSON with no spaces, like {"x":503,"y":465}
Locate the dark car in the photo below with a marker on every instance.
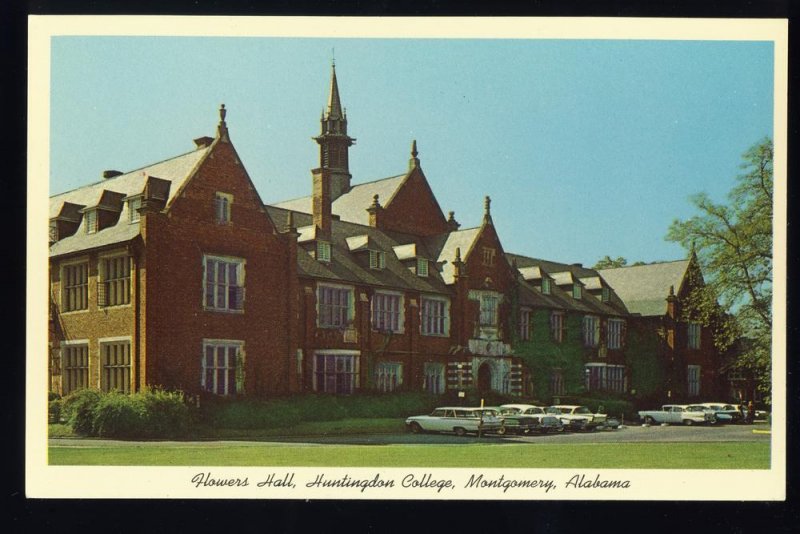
{"x":518,"y":424}
{"x":549,"y":423}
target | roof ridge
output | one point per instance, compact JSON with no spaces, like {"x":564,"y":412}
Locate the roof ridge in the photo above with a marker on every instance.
{"x":351,"y":188}
{"x":108,"y":180}
{"x":645,"y":265}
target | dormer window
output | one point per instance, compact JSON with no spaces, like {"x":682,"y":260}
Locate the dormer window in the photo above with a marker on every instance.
{"x":605,"y":294}
{"x":91,"y":221}
{"x":377,"y":259}
{"x":222,"y":208}
{"x":422,"y":267}
{"x":323,"y":251}
{"x":576,"y":291}
{"x":545,"y":286}
{"x":133,"y":209}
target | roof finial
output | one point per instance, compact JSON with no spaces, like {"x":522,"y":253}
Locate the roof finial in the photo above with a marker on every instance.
{"x":222,"y":129}
{"x":451,"y":216}
{"x":414,"y":161}
{"x":487,"y":213}
{"x":458,"y":255}
{"x":333,"y":57}
{"x":222,"y":113}
{"x":671,"y":291}
{"x":375,"y":202}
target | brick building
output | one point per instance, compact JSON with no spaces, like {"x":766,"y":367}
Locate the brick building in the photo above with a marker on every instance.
{"x":178,"y":275}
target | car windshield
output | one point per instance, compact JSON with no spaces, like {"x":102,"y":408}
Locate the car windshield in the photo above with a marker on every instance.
{"x":437,"y":413}
{"x":535,"y":409}
{"x":696,"y":408}
{"x":582,"y":409}
{"x":509,"y":411}
{"x":552,"y":409}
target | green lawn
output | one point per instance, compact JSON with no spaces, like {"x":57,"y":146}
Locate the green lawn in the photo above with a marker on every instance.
{"x":723,"y":455}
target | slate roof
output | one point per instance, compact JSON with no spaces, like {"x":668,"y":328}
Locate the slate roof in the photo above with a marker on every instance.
{"x":352,"y":206}
{"x":463,"y":239}
{"x":644,"y":288}
{"x":176,"y":170}
{"x":353,"y":267}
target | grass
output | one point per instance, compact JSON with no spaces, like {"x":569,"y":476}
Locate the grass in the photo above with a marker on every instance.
{"x":722,"y":455}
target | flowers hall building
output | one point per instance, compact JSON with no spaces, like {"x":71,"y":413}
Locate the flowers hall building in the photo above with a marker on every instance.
{"x":177,"y":274}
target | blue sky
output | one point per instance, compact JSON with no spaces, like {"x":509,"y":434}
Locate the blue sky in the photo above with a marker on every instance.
{"x":586,"y":147}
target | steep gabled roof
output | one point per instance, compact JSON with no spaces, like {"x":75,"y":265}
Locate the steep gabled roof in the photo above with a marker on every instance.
{"x":644,"y":288}
{"x":460,"y":239}
{"x":352,"y":206}
{"x":176,"y":170}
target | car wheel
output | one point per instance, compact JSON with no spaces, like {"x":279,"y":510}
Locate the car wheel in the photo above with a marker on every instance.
{"x":649,"y":420}
{"x":460,"y":431}
{"x":501,"y":431}
{"x":415,"y":428}
{"x":688,"y":422}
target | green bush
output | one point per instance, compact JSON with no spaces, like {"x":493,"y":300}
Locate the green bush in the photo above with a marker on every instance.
{"x":166,"y":413}
{"x":78,"y":410}
{"x":54,"y":410}
{"x":119,"y":416}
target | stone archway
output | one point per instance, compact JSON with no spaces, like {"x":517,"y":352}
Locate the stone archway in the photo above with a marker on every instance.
{"x":485,"y":377}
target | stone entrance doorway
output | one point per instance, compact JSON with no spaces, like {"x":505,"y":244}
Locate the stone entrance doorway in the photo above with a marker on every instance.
{"x":485,"y":377}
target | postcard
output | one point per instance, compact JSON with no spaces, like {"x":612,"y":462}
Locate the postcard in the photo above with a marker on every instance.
{"x":406,"y":258}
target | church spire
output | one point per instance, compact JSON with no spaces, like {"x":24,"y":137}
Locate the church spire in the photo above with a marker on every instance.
{"x":334,"y":143}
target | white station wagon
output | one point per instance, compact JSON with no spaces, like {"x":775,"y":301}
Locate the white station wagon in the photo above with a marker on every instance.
{"x":454,"y":419}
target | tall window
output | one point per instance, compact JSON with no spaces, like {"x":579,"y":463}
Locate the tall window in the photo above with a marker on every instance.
{"x":434,"y":316}
{"x":615,"y":329}
{"x":224,"y":283}
{"x":75,"y":367}
{"x":591,"y":331}
{"x":524,"y":325}
{"x":694,"y":329}
{"x":557,"y":326}
{"x":75,"y":280}
{"x":133,"y":209}
{"x":605,"y":378}
{"x":222,"y":208}
{"x":91,"y":221}
{"x":488,"y":256}
{"x":489,"y":305}
{"x":336,"y":373}
{"x":115,"y":278}
{"x":693,"y":375}
{"x":377,"y":259}
{"x":223,"y":367}
{"x":335,"y":306}
{"x":605,"y":294}
{"x":323,"y":251}
{"x":115,"y":361}
{"x":422,"y":267}
{"x":388,"y":376}
{"x":557,"y":386}
{"x":387,"y":312}
{"x":434,"y":378}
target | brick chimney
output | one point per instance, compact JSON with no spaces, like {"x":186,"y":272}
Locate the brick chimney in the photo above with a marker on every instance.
{"x":321,"y":202}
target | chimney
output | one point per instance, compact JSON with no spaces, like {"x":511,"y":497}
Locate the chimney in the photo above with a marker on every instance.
{"x":111,"y":174}
{"x":321,"y":202}
{"x":202,"y":142}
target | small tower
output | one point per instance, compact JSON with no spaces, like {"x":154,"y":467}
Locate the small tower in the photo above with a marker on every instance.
{"x":334,"y":143}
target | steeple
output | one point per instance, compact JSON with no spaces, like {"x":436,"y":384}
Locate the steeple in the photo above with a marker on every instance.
{"x":334,"y":143}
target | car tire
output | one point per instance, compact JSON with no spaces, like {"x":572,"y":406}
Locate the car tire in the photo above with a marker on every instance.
{"x":688,"y":422}
{"x":501,"y":431}
{"x":649,"y":420}
{"x":415,"y":428}
{"x":460,"y":432}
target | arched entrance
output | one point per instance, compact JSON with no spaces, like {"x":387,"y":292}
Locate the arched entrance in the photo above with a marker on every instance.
{"x":485,"y":377}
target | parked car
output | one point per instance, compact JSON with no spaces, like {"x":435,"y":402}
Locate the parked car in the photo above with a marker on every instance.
{"x":576,"y":417}
{"x":548,"y":423}
{"x":518,"y":424}
{"x":677,"y":414}
{"x":525,"y":409}
{"x":455,"y":419}
{"x":760,"y":415}
{"x":725,"y":413}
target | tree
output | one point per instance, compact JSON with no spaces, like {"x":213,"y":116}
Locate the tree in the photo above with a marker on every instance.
{"x":733,"y":244}
{"x":607,"y":262}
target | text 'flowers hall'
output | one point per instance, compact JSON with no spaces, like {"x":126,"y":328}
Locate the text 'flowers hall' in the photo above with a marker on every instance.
{"x":178,"y":275}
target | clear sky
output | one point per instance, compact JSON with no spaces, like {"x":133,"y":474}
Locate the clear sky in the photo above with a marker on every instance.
{"x":586,"y":147}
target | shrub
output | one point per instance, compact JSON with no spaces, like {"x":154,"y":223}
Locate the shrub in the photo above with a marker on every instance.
{"x":78,"y":410}
{"x":119,"y":416}
{"x":54,"y":410}
{"x":166,"y":413}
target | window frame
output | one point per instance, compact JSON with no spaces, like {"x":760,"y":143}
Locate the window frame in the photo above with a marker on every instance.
{"x":91,"y":219}
{"x":64,"y":298}
{"x":351,"y":384}
{"x":591,"y":339}
{"x":323,"y":251}
{"x":241,"y":264}
{"x":557,"y":326}
{"x":525,"y":324}
{"x":104,"y":283}
{"x":377,"y":259}
{"x":388,"y":376}
{"x":422,"y":267}
{"x":577,"y":291}
{"x":81,"y":369}
{"x":238,"y":367}
{"x":694,"y":335}
{"x":444,"y":318}
{"x":694,"y":379}
{"x":398,"y":314}
{"x":546,"y":285}
{"x":105,"y":343}
{"x":350,"y":308}
{"x":223,"y":208}
{"x":615,"y":337}
{"x":134,"y":203}
{"x":435,"y":370}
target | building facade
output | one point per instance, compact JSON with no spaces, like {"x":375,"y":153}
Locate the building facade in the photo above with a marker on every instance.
{"x":178,"y":275}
